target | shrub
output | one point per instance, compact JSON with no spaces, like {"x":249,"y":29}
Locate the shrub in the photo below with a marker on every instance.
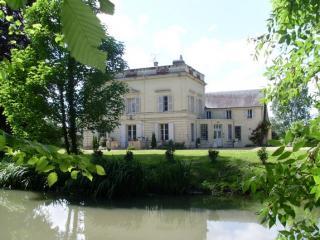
{"x":213,"y":154}
{"x":169,"y":178}
{"x":95,"y":143}
{"x":170,"y":151}
{"x":20,"y":177}
{"x":170,"y":155}
{"x":131,"y":148}
{"x":176,"y":145}
{"x":123,"y":179}
{"x":129,"y":156}
{"x":263,"y":155}
{"x":198,"y":141}
{"x":103,"y":142}
{"x":258,"y":135}
{"x":153,"y":141}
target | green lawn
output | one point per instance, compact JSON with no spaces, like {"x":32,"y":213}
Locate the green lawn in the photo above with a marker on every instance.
{"x":227,"y":171}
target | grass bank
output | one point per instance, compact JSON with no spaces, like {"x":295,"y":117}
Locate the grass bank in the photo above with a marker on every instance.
{"x":224,"y":175}
{"x":149,"y":172}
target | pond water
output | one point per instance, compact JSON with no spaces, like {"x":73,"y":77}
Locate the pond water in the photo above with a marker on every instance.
{"x":28,"y":215}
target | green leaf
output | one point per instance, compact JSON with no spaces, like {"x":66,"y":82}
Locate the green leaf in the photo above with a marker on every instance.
{"x":16,"y":4}
{"x":2,"y":142}
{"x":284,"y":155}
{"x":106,"y":6}
{"x":52,"y":178}
{"x":297,"y":144}
{"x":83,"y":33}
{"x":100,"y":170}
{"x":275,"y":142}
{"x":64,"y":167}
{"x":288,"y":138}
{"x":88,"y":175}
{"x":302,"y":156}
{"x":41,"y":164}
{"x":279,"y":151}
{"x":33,"y":160}
{"x":74,"y":174}
{"x":48,"y":168}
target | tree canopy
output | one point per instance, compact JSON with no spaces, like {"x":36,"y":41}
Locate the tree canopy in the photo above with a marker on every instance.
{"x":47,"y":94}
{"x":293,"y":181}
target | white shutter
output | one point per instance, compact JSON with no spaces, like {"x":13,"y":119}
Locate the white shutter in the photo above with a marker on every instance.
{"x":127,"y":106}
{"x":160,"y":104}
{"x":170,"y":104}
{"x":189,"y":104}
{"x":139,"y":130}
{"x":156,"y":131}
{"x":138,"y":104}
{"x":252,"y":112}
{"x":123,"y":135}
{"x":171,"y":131}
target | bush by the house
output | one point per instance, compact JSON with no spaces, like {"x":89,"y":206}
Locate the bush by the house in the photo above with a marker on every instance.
{"x":198,"y":141}
{"x":129,"y":156}
{"x":259,"y":135}
{"x":95,"y":144}
{"x":263,"y":155}
{"x":153,"y":141}
{"x":176,"y":145}
{"x":170,"y":151}
{"x":213,"y":154}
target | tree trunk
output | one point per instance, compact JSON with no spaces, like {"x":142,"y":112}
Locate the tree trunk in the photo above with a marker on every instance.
{"x":63,"y":118}
{"x":71,"y":82}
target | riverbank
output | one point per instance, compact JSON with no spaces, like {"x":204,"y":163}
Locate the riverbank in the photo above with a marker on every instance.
{"x":223,"y":176}
{"x":149,"y":172}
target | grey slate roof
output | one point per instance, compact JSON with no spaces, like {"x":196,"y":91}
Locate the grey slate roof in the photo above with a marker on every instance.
{"x":229,"y":99}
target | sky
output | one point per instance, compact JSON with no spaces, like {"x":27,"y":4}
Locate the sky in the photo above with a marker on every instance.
{"x":211,"y":35}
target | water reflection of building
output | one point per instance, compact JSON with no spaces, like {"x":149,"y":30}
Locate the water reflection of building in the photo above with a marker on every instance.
{"x":32,"y":218}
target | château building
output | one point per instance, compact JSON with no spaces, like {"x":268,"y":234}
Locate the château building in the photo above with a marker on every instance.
{"x":171,"y":102}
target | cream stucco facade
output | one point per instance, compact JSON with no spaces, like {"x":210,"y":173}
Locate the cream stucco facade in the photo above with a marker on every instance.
{"x":170,"y":102}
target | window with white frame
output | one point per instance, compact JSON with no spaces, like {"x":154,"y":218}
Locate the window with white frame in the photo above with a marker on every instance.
{"x":133,"y":105}
{"x":229,"y":114}
{"x":237,"y":133}
{"x":249,"y":113}
{"x":191,"y":103}
{"x":199,"y":105}
{"x":192,"y":132}
{"x":164,"y":132}
{"x":204,"y":131}
{"x":165,"y":103}
{"x":229,"y":132}
{"x":209,"y":115}
{"x":132,"y":132}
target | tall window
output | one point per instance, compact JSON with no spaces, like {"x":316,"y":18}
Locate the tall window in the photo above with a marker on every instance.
{"x":164,"y":132}
{"x":249,"y":113}
{"x":204,"y":131}
{"x":133,"y":105}
{"x":229,"y":132}
{"x":165,"y":103}
{"x":209,"y":115}
{"x":132,"y":132}
{"x":192,"y":132}
{"x":199,"y":106}
{"x":191,"y":103}
{"x":229,"y":114}
{"x":237,"y":132}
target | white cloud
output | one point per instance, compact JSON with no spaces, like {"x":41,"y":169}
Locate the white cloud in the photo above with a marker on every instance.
{"x":169,"y":40}
{"x":227,"y":65}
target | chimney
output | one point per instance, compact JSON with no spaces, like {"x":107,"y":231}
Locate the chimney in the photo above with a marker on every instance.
{"x":155,"y":64}
{"x":178,"y":62}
